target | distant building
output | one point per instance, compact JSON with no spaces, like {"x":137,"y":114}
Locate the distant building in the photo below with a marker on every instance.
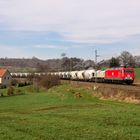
{"x":5,"y":77}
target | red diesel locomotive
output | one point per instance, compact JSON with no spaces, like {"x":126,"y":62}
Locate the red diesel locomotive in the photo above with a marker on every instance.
{"x":120,"y":75}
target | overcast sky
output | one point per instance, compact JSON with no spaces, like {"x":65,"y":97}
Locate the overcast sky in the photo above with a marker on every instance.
{"x":47,"y":28}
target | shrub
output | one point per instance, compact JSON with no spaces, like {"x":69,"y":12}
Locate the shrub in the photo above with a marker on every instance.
{"x":2,"y":86}
{"x":1,"y":94}
{"x":20,"y":84}
{"x":48,"y":81}
{"x":14,"y":82}
{"x":19,"y":91}
{"x":10,"y":91}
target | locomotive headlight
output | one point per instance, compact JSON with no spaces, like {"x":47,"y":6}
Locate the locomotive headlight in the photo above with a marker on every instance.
{"x":128,"y":77}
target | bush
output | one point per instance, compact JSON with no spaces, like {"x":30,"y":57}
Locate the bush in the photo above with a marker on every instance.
{"x":1,"y":94}
{"x":46,"y":81}
{"x":49,"y":81}
{"x":14,"y":82}
{"x":2,"y":86}
{"x":19,"y":92}
{"x":10,"y":91}
{"x":21,"y":84}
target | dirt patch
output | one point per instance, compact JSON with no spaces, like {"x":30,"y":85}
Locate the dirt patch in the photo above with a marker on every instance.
{"x":78,"y":95}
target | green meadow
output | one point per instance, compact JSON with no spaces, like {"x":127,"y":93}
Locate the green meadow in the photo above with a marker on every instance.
{"x":137,"y":75}
{"x":66,"y":113}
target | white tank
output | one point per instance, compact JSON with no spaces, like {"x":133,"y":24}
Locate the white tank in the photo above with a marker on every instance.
{"x":63,"y":75}
{"x":89,"y":74}
{"x":68,"y":75}
{"x":57,"y":73}
{"x":80,"y":75}
{"x":60,"y":74}
{"x":74,"y":75}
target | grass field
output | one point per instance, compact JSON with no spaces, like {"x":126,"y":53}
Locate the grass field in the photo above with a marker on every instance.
{"x":67,"y":113}
{"x":137,"y":75}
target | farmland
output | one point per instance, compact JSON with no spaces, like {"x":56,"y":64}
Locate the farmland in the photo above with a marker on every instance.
{"x":66,"y":112}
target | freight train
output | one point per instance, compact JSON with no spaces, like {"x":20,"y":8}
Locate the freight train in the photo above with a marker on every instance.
{"x":112,"y":75}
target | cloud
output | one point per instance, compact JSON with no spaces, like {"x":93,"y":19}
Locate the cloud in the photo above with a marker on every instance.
{"x":45,"y":46}
{"x":40,"y":27}
{"x":78,"y":20}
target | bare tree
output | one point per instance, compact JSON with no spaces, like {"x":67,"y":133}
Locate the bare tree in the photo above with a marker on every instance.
{"x":89,"y":64}
{"x":127,"y":59}
{"x":137,"y":61}
{"x":114,"y":62}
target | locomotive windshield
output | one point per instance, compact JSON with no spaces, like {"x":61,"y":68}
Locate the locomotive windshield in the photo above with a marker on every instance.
{"x":129,"y":71}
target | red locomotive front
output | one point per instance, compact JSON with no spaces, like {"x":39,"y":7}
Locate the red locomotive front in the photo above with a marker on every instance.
{"x":120,"y":75}
{"x":129,"y":75}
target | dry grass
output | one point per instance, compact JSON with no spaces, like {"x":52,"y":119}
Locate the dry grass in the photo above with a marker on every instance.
{"x":117,"y":94}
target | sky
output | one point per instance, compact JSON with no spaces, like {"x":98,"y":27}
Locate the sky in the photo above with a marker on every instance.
{"x":48,"y":28}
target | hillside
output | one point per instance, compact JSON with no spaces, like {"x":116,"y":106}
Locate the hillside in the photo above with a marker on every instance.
{"x":26,"y":65}
{"x":61,"y":114}
{"x":137,"y":75}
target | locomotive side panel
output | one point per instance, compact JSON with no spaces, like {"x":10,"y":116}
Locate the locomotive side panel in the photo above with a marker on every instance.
{"x":114,"y":74}
{"x":121,"y":75}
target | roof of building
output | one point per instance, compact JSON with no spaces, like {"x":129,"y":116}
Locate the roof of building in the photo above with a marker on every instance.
{"x":2,"y":72}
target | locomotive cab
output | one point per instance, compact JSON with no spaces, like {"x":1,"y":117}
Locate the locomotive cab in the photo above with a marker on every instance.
{"x":128,"y":75}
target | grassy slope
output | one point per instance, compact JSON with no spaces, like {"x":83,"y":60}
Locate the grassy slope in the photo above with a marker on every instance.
{"x":59,"y":114}
{"x":137,"y":74}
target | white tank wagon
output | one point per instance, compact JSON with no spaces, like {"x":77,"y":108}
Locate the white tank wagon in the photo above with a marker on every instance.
{"x":38,"y":74}
{"x":43,"y":73}
{"x":64,"y":76}
{"x":74,"y":75}
{"x":89,"y":75}
{"x":68,"y":75}
{"x":80,"y":75}
{"x":19,"y":74}
{"x":60,"y":74}
{"x":26,"y":74}
{"x":55,"y":73}
{"x":14,"y":74}
{"x":51,"y":73}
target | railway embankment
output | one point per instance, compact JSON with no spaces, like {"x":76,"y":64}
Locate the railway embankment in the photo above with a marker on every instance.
{"x":118,"y":92}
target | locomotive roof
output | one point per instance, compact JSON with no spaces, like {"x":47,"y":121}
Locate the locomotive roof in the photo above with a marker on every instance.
{"x":118,"y":68}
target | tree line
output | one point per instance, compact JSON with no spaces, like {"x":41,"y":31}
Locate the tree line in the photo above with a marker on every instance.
{"x":125,"y":59}
{"x":67,"y":64}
